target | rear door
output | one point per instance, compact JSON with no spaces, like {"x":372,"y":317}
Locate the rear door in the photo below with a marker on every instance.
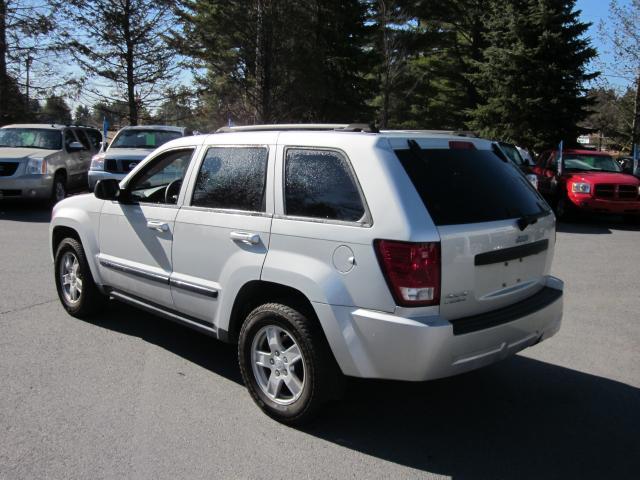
{"x":222,"y":231}
{"x":496,"y":232}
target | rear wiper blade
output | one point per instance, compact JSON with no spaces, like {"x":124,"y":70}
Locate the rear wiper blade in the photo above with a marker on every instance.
{"x":417,"y":150}
{"x":525,"y":220}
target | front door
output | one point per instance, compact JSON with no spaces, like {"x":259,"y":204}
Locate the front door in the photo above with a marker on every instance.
{"x":77,"y":162}
{"x":136,"y":233}
{"x":222,"y":231}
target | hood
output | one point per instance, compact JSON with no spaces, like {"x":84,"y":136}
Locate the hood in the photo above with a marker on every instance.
{"x":17,"y":154}
{"x":87,"y":202}
{"x":603,"y":177}
{"x":127,"y":153}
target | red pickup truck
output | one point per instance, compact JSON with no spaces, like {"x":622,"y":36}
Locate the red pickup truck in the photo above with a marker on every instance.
{"x":587,"y":181}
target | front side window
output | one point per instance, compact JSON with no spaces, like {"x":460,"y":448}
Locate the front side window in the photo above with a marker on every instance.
{"x":95,"y":137}
{"x":161,"y":179}
{"x":319,"y":184}
{"x":142,"y":138}
{"x":232,"y":178}
{"x":69,"y":138}
{"x":49,"y":139}
{"x":84,"y":140}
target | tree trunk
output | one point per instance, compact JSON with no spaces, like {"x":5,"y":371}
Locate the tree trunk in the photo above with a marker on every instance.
{"x":131,"y":86}
{"x":635,"y":131}
{"x":263,"y":112}
{"x":4,"y":81}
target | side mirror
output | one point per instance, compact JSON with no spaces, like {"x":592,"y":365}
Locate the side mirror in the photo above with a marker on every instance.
{"x":107,"y":189}
{"x":75,"y":147}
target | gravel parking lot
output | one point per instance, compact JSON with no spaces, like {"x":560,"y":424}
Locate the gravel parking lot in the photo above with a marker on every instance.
{"x":127,"y":395}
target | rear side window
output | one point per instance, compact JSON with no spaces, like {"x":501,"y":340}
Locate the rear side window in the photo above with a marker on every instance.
{"x":469,"y":186}
{"x":319,"y":184}
{"x":232,"y":178}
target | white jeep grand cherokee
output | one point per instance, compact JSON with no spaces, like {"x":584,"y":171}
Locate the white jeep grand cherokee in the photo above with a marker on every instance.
{"x":322,"y":251}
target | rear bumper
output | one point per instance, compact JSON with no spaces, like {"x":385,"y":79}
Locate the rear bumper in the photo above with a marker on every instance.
{"x":373,"y":344}
{"x":26,"y":186}
{"x":95,"y":175}
{"x":599,"y":205}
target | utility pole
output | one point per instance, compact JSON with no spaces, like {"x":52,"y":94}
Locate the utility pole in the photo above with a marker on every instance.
{"x":4,"y":81}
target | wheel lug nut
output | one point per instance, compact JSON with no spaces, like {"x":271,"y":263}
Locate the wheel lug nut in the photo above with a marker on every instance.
{"x":272,"y":361}
{"x":284,"y":372}
{"x":277,"y":353}
{"x":277,"y":373}
{"x":285,"y":359}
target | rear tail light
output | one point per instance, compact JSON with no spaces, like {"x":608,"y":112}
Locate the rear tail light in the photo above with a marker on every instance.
{"x":412,"y":271}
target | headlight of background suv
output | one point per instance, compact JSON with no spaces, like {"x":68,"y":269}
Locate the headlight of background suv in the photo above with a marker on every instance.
{"x":581,"y":187}
{"x":97,"y":162}
{"x":36,"y":166}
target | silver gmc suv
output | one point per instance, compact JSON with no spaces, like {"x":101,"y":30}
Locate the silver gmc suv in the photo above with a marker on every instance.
{"x":323,"y":251}
{"x":43,"y":161}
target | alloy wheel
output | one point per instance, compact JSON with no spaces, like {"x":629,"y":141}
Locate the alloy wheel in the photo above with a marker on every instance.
{"x":70,"y":278}
{"x":278,"y":364}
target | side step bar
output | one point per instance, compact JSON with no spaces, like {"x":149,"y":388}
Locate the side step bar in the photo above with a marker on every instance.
{"x":185,"y":320}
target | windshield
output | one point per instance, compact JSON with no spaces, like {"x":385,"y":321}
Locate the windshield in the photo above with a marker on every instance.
{"x":47,"y":139}
{"x":513,"y":154}
{"x":588,"y":163}
{"x":148,"y":139}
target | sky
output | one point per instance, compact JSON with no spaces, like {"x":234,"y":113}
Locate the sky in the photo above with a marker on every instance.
{"x":595,"y":11}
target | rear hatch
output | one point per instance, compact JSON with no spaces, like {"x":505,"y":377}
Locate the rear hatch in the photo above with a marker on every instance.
{"x":497,"y":234}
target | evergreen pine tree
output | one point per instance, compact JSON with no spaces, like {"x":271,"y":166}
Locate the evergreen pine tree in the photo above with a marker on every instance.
{"x":533,"y":73}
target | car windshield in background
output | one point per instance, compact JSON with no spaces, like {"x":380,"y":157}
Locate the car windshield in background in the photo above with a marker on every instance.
{"x":513,"y":154}
{"x":470,"y":186}
{"x":31,"y":138}
{"x":598,"y":163}
{"x":148,"y":139}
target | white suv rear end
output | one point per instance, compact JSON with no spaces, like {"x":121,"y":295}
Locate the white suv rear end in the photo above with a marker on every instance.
{"x":323,"y":253}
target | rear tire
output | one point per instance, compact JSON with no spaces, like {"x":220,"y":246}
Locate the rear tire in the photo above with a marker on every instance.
{"x":286,"y":363}
{"x":77,"y":291}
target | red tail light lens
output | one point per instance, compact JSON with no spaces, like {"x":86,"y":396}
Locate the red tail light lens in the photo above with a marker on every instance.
{"x":412,"y":271}
{"x":459,"y":145}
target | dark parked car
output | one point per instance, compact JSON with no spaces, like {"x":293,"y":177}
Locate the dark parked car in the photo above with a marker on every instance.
{"x":627,"y":166}
{"x":512,"y":152}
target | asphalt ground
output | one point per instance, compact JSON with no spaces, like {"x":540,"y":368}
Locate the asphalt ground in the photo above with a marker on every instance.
{"x":127,"y":395}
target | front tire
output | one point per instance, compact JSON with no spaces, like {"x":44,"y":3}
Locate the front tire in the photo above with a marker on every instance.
{"x":77,"y":291}
{"x":563,"y":209}
{"x":59,"y":189}
{"x":286,"y":363}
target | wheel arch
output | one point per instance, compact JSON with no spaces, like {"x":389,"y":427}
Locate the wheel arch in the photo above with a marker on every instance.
{"x":257,"y":292}
{"x":62,"y":228}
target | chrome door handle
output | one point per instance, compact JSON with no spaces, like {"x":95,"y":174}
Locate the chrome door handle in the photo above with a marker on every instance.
{"x":244,"y":237}
{"x":159,"y":226}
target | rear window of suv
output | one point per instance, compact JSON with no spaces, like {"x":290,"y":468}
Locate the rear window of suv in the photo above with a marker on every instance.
{"x":469,"y":186}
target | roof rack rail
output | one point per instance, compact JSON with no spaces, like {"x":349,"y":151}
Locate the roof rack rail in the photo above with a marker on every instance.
{"x":456,"y":133}
{"x":354,"y":127}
